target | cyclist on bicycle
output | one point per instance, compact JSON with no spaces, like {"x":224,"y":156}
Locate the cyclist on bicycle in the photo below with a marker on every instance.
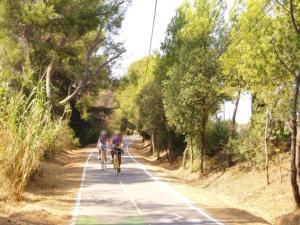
{"x":117,"y":146}
{"x":102,"y":145}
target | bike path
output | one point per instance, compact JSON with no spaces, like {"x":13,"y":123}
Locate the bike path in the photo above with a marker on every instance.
{"x":133,"y":197}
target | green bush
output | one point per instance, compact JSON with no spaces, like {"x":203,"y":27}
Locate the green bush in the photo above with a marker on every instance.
{"x":216,"y":136}
{"x":247,"y":148}
{"x":65,"y":139}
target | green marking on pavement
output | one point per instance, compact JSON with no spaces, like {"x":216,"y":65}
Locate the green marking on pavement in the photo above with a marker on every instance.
{"x":134,"y":220}
{"x":86,"y":220}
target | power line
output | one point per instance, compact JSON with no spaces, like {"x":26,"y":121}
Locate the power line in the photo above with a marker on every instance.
{"x":252,"y":20}
{"x":151,"y":38}
{"x":256,"y":27}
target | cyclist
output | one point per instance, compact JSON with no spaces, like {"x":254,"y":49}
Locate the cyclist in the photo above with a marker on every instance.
{"x":117,"y":146}
{"x":102,"y":145}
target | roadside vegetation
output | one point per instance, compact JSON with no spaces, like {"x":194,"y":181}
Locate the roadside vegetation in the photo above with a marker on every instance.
{"x":57,"y":92}
{"x":55,"y":59}
{"x":175,"y":97}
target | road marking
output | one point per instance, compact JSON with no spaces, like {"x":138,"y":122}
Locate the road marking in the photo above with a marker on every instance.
{"x":165,"y":220}
{"x":75,"y":212}
{"x":125,"y":190}
{"x":193,"y":220}
{"x":131,"y":199}
{"x":179,"y":196}
{"x":182,"y":198}
{"x":177,"y":216}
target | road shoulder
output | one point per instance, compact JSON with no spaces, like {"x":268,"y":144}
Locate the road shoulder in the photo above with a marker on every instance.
{"x":50,"y":198}
{"x":215,"y":205}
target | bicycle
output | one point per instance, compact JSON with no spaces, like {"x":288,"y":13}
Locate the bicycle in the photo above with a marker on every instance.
{"x":117,"y":162}
{"x":102,"y":158}
{"x":102,"y":161}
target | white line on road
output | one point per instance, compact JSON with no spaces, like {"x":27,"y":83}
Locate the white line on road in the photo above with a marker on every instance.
{"x":125,"y":190}
{"x":75,"y":212}
{"x":179,"y":196}
{"x":131,"y":199}
{"x":182,"y":198}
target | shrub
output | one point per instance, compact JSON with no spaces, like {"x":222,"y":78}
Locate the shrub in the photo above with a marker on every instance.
{"x":247,"y":148}
{"x":65,"y":139}
{"x":216,"y":136}
{"x":27,"y":133}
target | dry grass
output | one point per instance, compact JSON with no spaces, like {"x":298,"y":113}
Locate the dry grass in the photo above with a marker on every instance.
{"x":234,"y":195}
{"x":27,"y":133}
{"x":51,"y":196}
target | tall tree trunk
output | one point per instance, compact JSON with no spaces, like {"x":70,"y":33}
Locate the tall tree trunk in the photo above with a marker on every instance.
{"x":294,"y":183}
{"x":192,"y":153}
{"x":202,"y":146}
{"x":253,"y":99}
{"x":170,"y":145}
{"x":48,"y":80}
{"x":294,"y":149}
{"x":267,"y":146}
{"x":155,"y":148}
{"x":233,"y":120}
{"x":184,"y":158}
{"x":298,"y":151}
{"x":168,"y":149}
{"x":233,"y":125}
{"x":153,"y":142}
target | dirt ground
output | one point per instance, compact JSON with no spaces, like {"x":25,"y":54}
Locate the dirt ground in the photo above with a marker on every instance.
{"x":50,"y":198}
{"x":233,"y":196}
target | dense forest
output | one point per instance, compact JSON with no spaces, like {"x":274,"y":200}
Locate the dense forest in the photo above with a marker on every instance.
{"x":57,"y":86}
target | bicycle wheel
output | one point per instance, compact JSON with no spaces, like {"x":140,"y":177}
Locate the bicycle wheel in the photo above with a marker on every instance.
{"x":102,"y":161}
{"x":116,"y":164}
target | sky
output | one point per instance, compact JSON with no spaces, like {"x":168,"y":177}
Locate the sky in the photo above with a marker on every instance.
{"x":136,"y":32}
{"x":136,"y":29}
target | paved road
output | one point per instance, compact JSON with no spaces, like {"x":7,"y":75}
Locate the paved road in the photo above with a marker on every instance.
{"x":133,"y":197}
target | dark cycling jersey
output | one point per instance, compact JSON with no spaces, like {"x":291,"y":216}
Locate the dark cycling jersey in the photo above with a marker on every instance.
{"x":117,"y":141}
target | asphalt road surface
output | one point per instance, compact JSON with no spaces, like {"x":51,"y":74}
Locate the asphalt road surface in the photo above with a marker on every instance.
{"x":135,"y":196}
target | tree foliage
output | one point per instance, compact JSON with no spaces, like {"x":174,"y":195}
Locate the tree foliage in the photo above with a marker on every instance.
{"x":206,"y":60}
{"x":54,"y":54}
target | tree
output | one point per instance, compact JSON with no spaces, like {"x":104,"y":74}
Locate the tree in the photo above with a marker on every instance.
{"x":191,"y":92}
{"x":295,"y":69}
{"x":130,"y":86}
{"x":151,"y":113}
{"x":269,"y":63}
{"x":63,"y":38}
{"x":165,"y":59}
{"x":52,"y":52}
